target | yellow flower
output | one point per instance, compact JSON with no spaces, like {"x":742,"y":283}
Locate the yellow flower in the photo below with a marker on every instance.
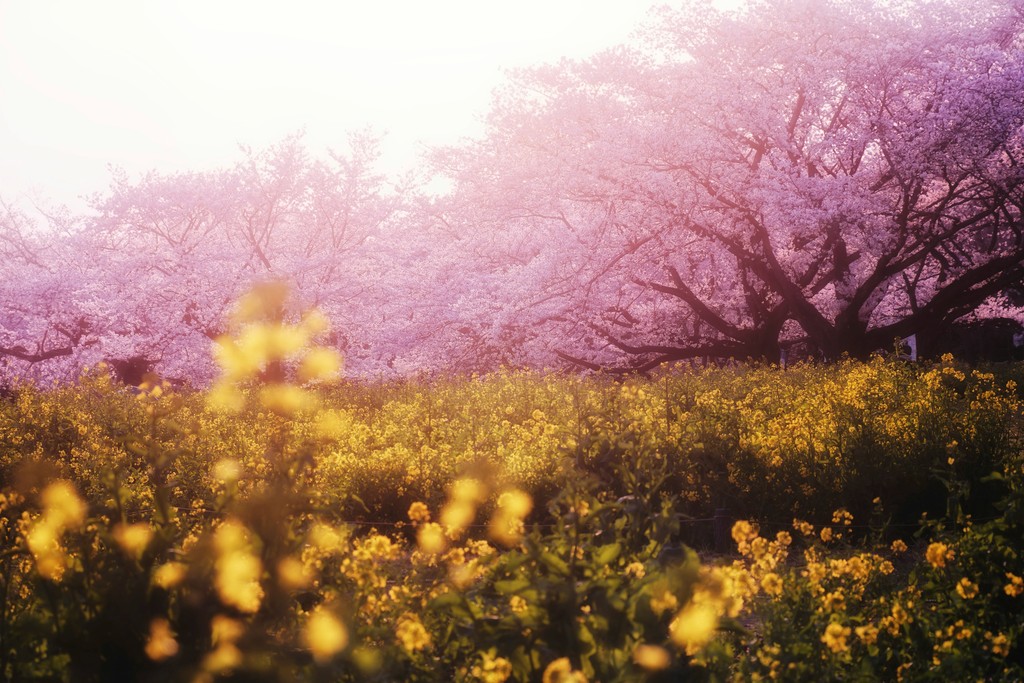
{"x":225,"y":629}
{"x":743,"y":531}
{"x":264,"y":301}
{"x":805,"y":528}
{"x":833,"y":602}
{"x":238,"y":569}
{"x":161,"y":643}
{"x":225,"y":397}
{"x":430,"y":538}
{"x":965,"y":589}
{"x":286,"y":399}
{"x":237,"y":582}
{"x":938,"y":554}
{"x":517,"y":604}
{"x":842,"y":516}
{"x":292,"y":574}
{"x":411,"y":633}
{"x":169,"y":575}
{"x":44,"y":544}
{"x":826,"y":534}
{"x":456,"y":516}
{"x":1000,"y":644}
{"x":652,"y":657}
{"x":468,"y":490}
{"x":561,"y":671}
{"x":898,"y":546}
{"x":663,"y":600}
{"x":419,"y":512}
{"x":226,"y":470}
{"x":320,"y":365}
{"x":515,"y":503}
{"x":326,"y":538}
{"x":62,"y":508}
{"x":868,"y":634}
{"x":1015,"y":587}
{"x":133,"y":538}
{"x":492,"y":669}
{"x":324,"y":635}
{"x":694,"y":627}
{"x":636,"y":570}
{"x":771,"y":584}
{"x":835,"y":637}
{"x":224,"y":657}
{"x":507,"y":523}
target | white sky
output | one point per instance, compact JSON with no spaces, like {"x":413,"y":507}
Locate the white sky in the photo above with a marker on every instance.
{"x":177,"y":85}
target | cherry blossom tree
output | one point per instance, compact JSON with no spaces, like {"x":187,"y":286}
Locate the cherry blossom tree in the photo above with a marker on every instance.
{"x":147,"y":282}
{"x":830,"y":174}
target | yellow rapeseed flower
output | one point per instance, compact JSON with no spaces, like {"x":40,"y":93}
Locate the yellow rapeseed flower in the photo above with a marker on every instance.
{"x":938,"y":554}
{"x":320,"y":365}
{"x":286,"y":399}
{"x":265,"y":301}
{"x":133,"y":538}
{"x":430,"y":538}
{"x":225,"y":397}
{"x":636,"y":570}
{"x":324,"y":635}
{"x":169,"y":575}
{"x":467,"y":489}
{"x":868,"y":634}
{"x":456,"y":515}
{"x":966,"y":590}
{"x":225,"y":629}
{"x":507,"y":523}
{"x":517,"y":604}
{"x":161,"y":643}
{"x":693,"y":627}
{"x":419,"y":512}
{"x":292,"y":574}
{"x":62,"y":508}
{"x":43,"y":542}
{"x":492,"y":669}
{"x":771,"y":584}
{"x":515,"y":503}
{"x":561,"y":671}
{"x":1015,"y":587}
{"x":226,"y":470}
{"x":411,"y":633}
{"x":652,"y":657}
{"x":835,"y":637}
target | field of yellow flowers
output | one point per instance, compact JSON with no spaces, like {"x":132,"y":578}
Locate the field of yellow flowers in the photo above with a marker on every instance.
{"x":286,"y":526}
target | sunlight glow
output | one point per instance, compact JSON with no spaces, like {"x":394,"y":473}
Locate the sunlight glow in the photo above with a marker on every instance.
{"x":180,"y":85}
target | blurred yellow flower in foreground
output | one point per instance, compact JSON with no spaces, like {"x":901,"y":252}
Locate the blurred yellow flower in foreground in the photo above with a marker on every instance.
{"x":133,"y":538}
{"x":652,"y":657}
{"x":238,"y":569}
{"x":507,"y":523}
{"x":62,"y":508}
{"x":324,"y":635}
{"x":694,"y":627}
{"x":161,"y":643}
{"x":169,"y":575}
{"x":430,"y":538}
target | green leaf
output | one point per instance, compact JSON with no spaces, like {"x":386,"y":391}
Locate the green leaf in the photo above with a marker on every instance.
{"x":606,"y":554}
{"x":554,"y":563}
{"x":511,"y":586}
